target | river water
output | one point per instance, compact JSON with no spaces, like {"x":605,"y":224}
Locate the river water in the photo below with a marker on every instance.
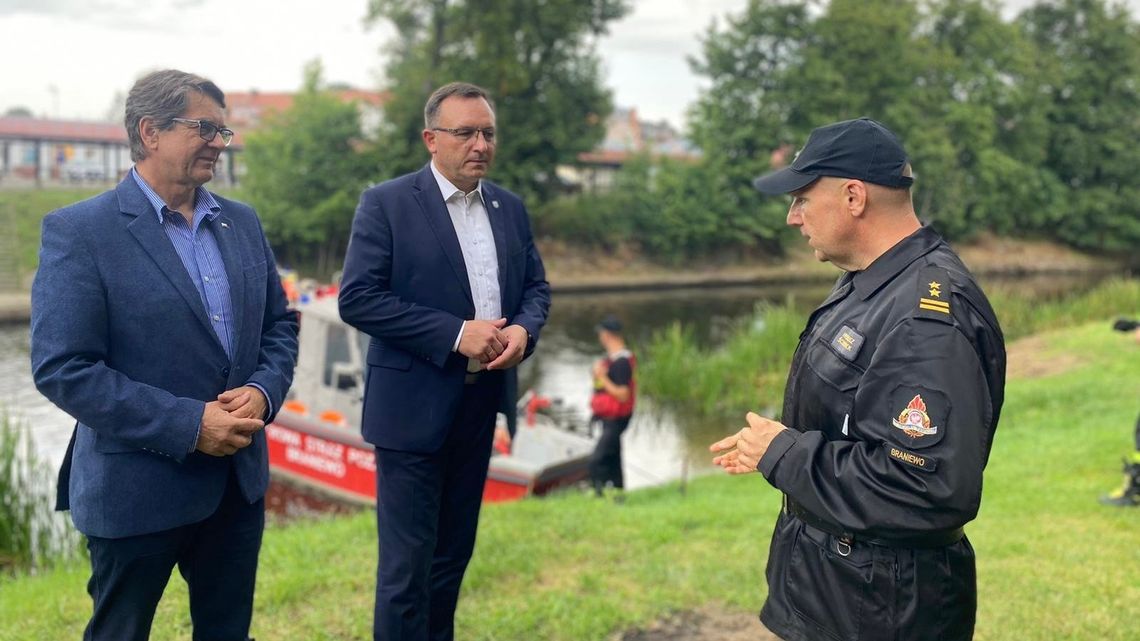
{"x":658,"y":445}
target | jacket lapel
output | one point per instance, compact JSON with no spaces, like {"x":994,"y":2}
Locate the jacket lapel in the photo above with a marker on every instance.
{"x":226,"y":236}
{"x":150,"y":235}
{"x":435,"y":211}
{"x":497,"y":217}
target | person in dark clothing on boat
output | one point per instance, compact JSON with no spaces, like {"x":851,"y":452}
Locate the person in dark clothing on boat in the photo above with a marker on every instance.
{"x":611,"y":405}
{"x":889,"y":413}
{"x":159,"y":323}
{"x":442,"y":272}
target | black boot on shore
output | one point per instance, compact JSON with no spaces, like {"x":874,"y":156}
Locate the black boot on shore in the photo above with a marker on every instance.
{"x":1128,"y":494}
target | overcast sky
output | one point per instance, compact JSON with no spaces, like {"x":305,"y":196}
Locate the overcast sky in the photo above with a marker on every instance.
{"x":68,"y":58}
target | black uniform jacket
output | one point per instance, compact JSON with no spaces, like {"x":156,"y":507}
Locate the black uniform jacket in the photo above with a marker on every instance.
{"x":892,"y":401}
{"x":893,"y":397}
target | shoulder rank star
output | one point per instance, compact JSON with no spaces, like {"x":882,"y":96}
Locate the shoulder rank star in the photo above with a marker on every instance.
{"x":932,"y":304}
{"x":914,"y":420}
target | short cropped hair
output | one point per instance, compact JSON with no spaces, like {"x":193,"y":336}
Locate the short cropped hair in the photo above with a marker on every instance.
{"x":163,"y":96}
{"x":461,"y":89}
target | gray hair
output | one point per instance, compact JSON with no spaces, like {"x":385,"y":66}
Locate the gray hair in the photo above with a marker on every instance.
{"x":163,"y":96}
{"x":461,"y":89}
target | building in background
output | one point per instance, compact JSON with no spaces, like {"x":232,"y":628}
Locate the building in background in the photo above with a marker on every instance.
{"x":34,"y":151}
{"x":39,"y":151}
{"x":627,"y":137}
{"x":247,"y":111}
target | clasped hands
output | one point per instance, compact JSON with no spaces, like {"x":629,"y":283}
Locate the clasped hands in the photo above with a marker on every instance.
{"x":229,"y":423}
{"x":741,"y":452}
{"x":493,"y":343}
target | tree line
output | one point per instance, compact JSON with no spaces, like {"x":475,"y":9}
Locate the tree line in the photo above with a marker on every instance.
{"x":1023,"y":126}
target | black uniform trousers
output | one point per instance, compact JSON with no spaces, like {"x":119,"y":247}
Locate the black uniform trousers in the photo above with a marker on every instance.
{"x":217,"y":557}
{"x":822,"y":588}
{"x":605,"y":462}
{"x":427,"y":512}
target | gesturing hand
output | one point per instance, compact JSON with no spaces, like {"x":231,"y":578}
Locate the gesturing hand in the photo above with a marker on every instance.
{"x":750,"y":444}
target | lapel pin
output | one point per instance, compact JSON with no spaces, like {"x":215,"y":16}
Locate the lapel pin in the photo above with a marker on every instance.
{"x":225,"y":226}
{"x":495,"y":204}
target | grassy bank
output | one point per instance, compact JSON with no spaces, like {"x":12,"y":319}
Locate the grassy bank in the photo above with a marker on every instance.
{"x":1053,"y":564}
{"x":21,"y":211}
{"x":750,"y":368}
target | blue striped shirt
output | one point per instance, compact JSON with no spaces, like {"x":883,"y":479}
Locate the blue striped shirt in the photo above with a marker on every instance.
{"x":200,"y":254}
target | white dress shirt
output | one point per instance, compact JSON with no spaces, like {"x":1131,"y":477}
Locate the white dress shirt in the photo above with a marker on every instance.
{"x":477,"y":242}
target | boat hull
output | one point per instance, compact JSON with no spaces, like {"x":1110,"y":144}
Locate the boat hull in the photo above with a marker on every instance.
{"x":337,"y":462}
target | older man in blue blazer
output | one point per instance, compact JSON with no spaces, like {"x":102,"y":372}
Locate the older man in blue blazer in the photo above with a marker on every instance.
{"x":443,"y":274}
{"x":160,"y":325}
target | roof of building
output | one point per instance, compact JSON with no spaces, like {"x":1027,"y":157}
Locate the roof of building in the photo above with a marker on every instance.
{"x":246,"y":109}
{"x":73,"y":131}
{"x":627,"y":136}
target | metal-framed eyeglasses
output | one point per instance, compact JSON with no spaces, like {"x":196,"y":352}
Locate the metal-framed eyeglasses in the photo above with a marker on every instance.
{"x":466,"y":134}
{"x":207,"y":130}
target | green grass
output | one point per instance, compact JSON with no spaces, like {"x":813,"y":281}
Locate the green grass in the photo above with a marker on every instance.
{"x":1022,"y":313}
{"x":21,"y":211}
{"x":1052,"y":563}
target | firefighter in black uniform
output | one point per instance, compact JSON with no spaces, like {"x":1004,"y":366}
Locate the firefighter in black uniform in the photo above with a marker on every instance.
{"x":890,"y":409}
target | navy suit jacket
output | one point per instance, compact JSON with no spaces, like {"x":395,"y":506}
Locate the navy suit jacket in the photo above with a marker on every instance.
{"x":405,"y":284}
{"x":121,"y":342}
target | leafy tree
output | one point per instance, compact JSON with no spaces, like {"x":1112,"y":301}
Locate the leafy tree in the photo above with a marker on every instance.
{"x":536,"y":59}
{"x":305,"y":173}
{"x":1091,"y":53}
{"x":740,"y":122}
{"x":975,"y":125}
{"x":959,"y":85}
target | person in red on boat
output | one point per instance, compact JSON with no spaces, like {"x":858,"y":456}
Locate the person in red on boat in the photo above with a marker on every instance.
{"x":612,"y":404}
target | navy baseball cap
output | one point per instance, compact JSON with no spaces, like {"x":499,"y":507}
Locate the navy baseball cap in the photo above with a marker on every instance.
{"x":609,"y":323}
{"x":862,"y":149}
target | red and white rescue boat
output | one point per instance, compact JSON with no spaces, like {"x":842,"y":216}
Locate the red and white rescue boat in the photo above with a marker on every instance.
{"x":315,"y":439}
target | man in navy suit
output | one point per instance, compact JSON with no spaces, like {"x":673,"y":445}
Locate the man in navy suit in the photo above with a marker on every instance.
{"x":160,"y":325}
{"x":443,"y":274}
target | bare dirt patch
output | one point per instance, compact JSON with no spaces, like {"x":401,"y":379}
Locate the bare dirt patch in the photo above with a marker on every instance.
{"x":706,"y":624}
{"x":1031,"y":357}
{"x":992,"y":254}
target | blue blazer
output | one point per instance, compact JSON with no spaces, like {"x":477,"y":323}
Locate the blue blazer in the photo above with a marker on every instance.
{"x":405,"y":284}
{"x":121,"y":342}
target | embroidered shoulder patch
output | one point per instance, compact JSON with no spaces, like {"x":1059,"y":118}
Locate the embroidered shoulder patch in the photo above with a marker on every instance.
{"x":847,"y":342}
{"x":925,"y":463}
{"x":914,"y":420}
{"x":918,"y":416}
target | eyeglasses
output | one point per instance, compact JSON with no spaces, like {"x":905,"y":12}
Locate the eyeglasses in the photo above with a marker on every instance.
{"x":207,"y":130}
{"x":465,"y":134}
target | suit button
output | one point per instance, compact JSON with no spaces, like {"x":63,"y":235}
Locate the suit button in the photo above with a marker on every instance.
{"x":226,"y":372}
